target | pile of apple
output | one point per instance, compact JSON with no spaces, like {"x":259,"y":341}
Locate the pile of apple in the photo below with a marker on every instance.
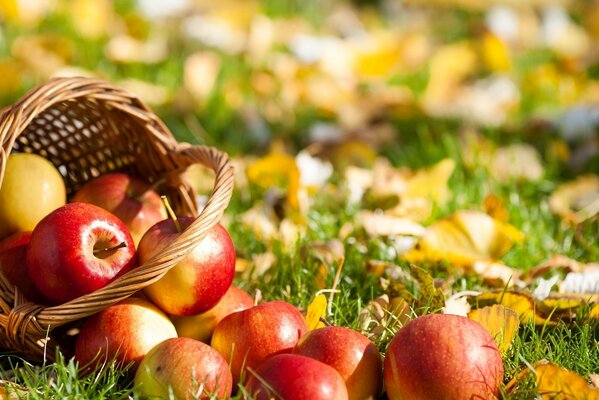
{"x":192,"y":333}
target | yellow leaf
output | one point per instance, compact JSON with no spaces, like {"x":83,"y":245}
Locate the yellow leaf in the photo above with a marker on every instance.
{"x":495,"y":207}
{"x":91,"y":17}
{"x":578,"y":200}
{"x":500,"y":321}
{"x":277,"y":170}
{"x":379,"y":57}
{"x":496,"y":54}
{"x":316,"y":310}
{"x":595,"y":312}
{"x":521,"y":303}
{"x":557,"y":383}
{"x":469,"y":236}
{"x":449,"y":67}
{"x":431,"y":183}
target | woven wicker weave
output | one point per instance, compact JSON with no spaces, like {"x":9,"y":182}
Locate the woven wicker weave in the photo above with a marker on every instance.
{"x":87,"y":127}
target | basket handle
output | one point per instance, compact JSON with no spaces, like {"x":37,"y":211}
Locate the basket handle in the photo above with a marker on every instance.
{"x":151,"y":271}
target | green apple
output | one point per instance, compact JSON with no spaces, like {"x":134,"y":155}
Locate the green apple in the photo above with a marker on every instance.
{"x":31,"y":188}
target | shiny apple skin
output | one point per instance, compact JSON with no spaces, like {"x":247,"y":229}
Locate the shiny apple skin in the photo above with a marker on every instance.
{"x":200,"y":327}
{"x":296,"y":377}
{"x":60,"y":257}
{"x":183,"y":364}
{"x":352,"y":354}
{"x":125,"y":331}
{"x":246,"y":338}
{"x":13,"y":265}
{"x":31,"y":188}
{"x":200,"y":280}
{"x":128,"y":197}
{"x":444,"y":357}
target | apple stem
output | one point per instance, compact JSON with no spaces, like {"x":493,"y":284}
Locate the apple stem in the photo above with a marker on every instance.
{"x":171,"y":213}
{"x":118,"y":246}
{"x":324,"y":321}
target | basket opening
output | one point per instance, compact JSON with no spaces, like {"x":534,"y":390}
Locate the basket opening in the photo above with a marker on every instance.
{"x":85,"y":138}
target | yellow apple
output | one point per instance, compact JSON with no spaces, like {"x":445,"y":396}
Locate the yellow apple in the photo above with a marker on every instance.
{"x":31,"y":188}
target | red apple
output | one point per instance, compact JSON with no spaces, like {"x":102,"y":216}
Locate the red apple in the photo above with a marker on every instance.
{"x":356,"y":358}
{"x":13,"y":261}
{"x":246,"y":338}
{"x":131,"y":199}
{"x":76,"y":249}
{"x":295,"y":377}
{"x":126,"y":331}
{"x":444,"y":357}
{"x":200,"y":280}
{"x":200,"y":327}
{"x":186,"y":367}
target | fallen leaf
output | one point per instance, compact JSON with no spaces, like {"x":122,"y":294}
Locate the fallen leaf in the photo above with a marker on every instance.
{"x":557,"y":383}
{"x":558,"y":263}
{"x":379,"y":224}
{"x":43,"y":54}
{"x":468,"y":236}
{"x":277,"y":170}
{"x":496,"y":53}
{"x":199,"y":74}
{"x":127,"y":49}
{"x":578,"y":200}
{"x":495,"y":207}
{"x":382,"y":315}
{"x":500,"y":321}
{"x":522,"y":303}
{"x":516,"y":162}
{"x":316,"y":310}
{"x":496,"y":273}
{"x":91,"y":17}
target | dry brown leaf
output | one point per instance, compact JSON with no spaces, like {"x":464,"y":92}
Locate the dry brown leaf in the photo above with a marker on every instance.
{"x":500,"y":321}
{"x":383,"y":313}
{"x":558,"y":263}
{"x":578,"y":200}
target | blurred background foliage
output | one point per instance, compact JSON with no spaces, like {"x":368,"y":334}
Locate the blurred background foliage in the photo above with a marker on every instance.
{"x":238,"y":73}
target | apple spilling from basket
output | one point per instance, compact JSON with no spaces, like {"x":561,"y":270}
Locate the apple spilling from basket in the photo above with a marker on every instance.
{"x":192,"y":333}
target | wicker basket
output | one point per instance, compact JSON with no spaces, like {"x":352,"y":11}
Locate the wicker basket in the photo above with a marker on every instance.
{"x":88,"y":127}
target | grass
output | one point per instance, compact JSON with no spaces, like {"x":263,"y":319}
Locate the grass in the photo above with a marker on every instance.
{"x":573,"y":346}
{"x":421,"y":142}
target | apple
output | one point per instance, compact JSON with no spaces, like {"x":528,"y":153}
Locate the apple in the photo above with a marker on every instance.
{"x":125,"y":331}
{"x":445,"y":357}
{"x":30,"y":189}
{"x":246,"y":338}
{"x":76,"y":249}
{"x":295,"y":377}
{"x":352,"y":354}
{"x":183,"y":368}
{"x":200,"y":280}
{"x":13,"y":256}
{"x":200,"y":327}
{"x":128,"y":197}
